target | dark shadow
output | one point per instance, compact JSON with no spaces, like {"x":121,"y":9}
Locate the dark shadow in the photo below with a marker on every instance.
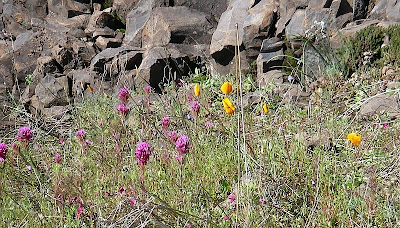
{"x":344,"y":8}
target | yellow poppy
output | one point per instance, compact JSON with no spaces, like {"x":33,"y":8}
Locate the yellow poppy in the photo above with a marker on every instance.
{"x":354,"y":138}
{"x":197,"y":90}
{"x":265,"y":107}
{"x":229,"y":108}
{"x":226,"y":88}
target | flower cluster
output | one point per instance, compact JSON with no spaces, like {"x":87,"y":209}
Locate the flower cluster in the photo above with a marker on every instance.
{"x":143,"y":151}
{"x":124,"y":94}
{"x":80,"y":134}
{"x":182,"y":146}
{"x":3,"y":152}
{"x":196,"y":107}
{"x":165,"y":122}
{"x":25,"y":134}
{"x":123,"y":109}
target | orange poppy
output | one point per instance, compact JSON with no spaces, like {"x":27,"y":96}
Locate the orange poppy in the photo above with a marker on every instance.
{"x":228,"y":106}
{"x":354,"y":138}
{"x":226,"y":88}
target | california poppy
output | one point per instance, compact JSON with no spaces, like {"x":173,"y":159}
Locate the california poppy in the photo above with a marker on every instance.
{"x":265,"y":107}
{"x":197,"y":90}
{"x":229,"y":108}
{"x":90,"y":88}
{"x":226,"y":88}
{"x":354,"y":138}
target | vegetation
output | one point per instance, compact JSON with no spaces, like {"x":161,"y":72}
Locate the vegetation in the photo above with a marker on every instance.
{"x":180,"y":159}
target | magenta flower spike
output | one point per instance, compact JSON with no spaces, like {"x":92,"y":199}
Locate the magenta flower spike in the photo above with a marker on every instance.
{"x":25,"y":134}
{"x":165,"y":122}
{"x":196,"y":107}
{"x":124,"y":94}
{"x":80,"y":133}
{"x":182,"y":144}
{"x":123,"y":109}
{"x":147,"y":89}
{"x":3,"y":152}
{"x":57,"y":158}
{"x":143,"y":151}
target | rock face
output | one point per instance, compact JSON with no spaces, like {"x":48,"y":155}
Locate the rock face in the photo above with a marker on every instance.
{"x":382,"y":104}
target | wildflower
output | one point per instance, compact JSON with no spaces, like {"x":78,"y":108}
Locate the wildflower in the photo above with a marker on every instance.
{"x":143,"y":151}
{"x":226,"y":88}
{"x":165,"y":122}
{"x":197,"y":90}
{"x":57,"y":158}
{"x":25,"y":134}
{"x":189,"y":99}
{"x":180,"y":84}
{"x":265,"y":107}
{"x":231,"y":198}
{"x":196,"y":107}
{"x":189,"y":225}
{"x":385,"y":126}
{"x":229,"y":108}
{"x":226,"y":218}
{"x":79,"y":212}
{"x":29,"y":167}
{"x":123,"y":109}
{"x":121,"y":190}
{"x":132,"y":201}
{"x":182,"y":144}
{"x":354,"y":138}
{"x":208,"y":124}
{"x":172,"y":135}
{"x":147,"y":89}
{"x":87,"y":143}
{"x":262,"y":201}
{"x":60,"y":141}
{"x":3,"y":152}
{"x":124,"y":94}
{"x":80,"y":133}
{"x":290,"y":78}
{"x":179,"y":158}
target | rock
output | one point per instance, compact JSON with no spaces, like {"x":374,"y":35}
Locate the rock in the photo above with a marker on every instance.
{"x":27,"y":48}
{"x":225,"y":34}
{"x":62,"y":55}
{"x":56,"y":112}
{"x":99,"y":62}
{"x":381,"y":104}
{"x":52,"y":91}
{"x":123,"y":7}
{"x":84,"y":50}
{"x":360,"y":8}
{"x":77,"y":22}
{"x":46,"y":65}
{"x":259,"y":24}
{"x":170,"y":63}
{"x":286,"y":10}
{"x":135,"y":22}
{"x":386,"y":10}
{"x":81,"y":79}
{"x":103,"y":20}
{"x":273,"y":76}
{"x":268,"y":61}
{"x":103,"y":43}
{"x":67,"y":8}
{"x":105,"y":32}
{"x":6,"y":80}
{"x":163,"y":27}
{"x":251,"y":99}
{"x":271,"y":45}
{"x":214,"y":8}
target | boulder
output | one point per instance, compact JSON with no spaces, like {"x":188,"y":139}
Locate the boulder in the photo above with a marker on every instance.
{"x":46,"y":65}
{"x":382,"y":104}
{"x":259,"y":24}
{"x":269,"y":61}
{"x":213,"y":8}
{"x":103,"y":20}
{"x":111,"y":55}
{"x":164,"y":64}
{"x":52,"y":90}
{"x":287,"y":8}
{"x":103,"y":43}
{"x":164,"y":26}
{"x":273,"y":76}
{"x":67,"y":8}
{"x":135,"y":22}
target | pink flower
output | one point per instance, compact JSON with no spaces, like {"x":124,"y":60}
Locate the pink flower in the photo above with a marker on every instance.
{"x":385,"y":126}
{"x":79,"y":212}
{"x":29,"y":167}
{"x":123,"y":109}
{"x":172,"y":135}
{"x":182,"y":144}
{"x":165,"y":122}
{"x":231,"y":198}
{"x":121,"y":190}
{"x":180,"y":84}
{"x":147,"y":89}
{"x":124,"y":94}
{"x":132,"y":201}
{"x":25,"y":134}
{"x":208,"y":124}
{"x":226,"y":218}
{"x":87,"y":143}
{"x":143,"y":152}
{"x":189,"y":99}
{"x":196,"y":107}
{"x":3,"y":152}
{"x":262,"y":201}
{"x":60,"y":141}
{"x":80,"y":133}
{"x":57,"y":158}
{"x":189,"y":225}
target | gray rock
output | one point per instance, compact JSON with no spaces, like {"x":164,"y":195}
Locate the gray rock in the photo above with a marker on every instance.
{"x":382,"y":104}
{"x":27,"y":48}
{"x":52,"y":91}
{"x":386,"y":10}
{"x":164,"y":26}
{"x":360,"y":8}
{"x":164,"y":64}
{"x":98,"y":63}
{"x":80,"y":81}
{"x":269,"y":61}
{"x":259,"y":24}
{"x":273,"y":76}
{"x":103,"y":43}
{"x":271,"y":45}
{"x":46,"y":65}
{"x":135,"y":22}
{"x":67,"y":8}
{"x":214,"y":8}
{"x":56,"y":112}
